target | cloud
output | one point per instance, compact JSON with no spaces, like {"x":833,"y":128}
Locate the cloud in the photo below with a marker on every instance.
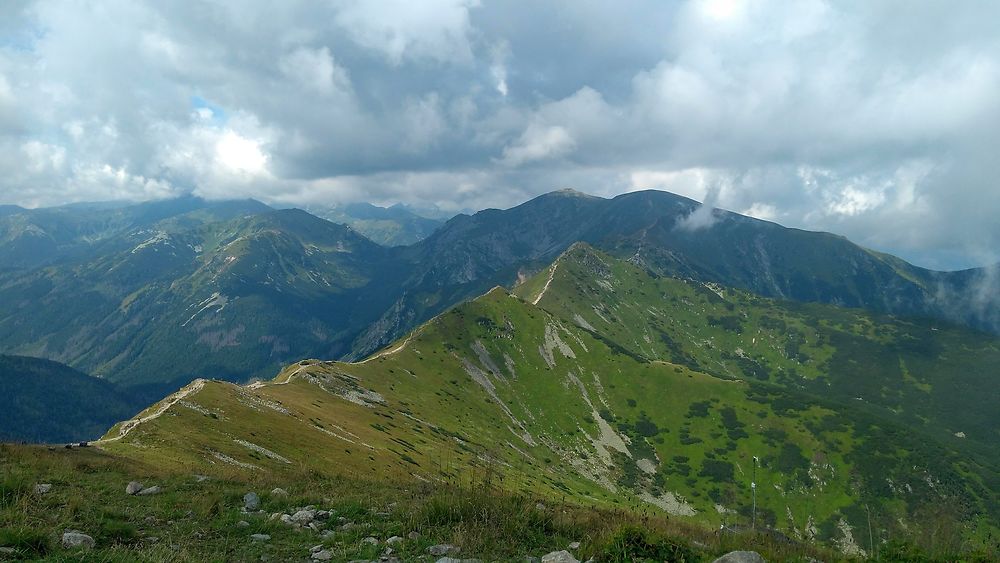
{"x":874,"y":120}
{"x":703,"y":216}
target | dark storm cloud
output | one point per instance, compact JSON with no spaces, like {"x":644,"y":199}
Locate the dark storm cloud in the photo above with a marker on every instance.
{"x":875,"y":120}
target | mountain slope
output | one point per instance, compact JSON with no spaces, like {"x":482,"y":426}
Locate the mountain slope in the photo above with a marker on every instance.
{"x":388,"y":226}
{"x":935,"y":377}
{"x":239,"y":297}
{"x":501,"y":386}
{"x":117,"y":292}
{"x":44,"y":401}
{"x":30,"y":238}
{"x":472,"y":253}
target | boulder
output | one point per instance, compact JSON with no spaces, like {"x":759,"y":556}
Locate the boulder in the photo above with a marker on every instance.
{"x":251,"y":501}
{"x":43,"y":488}
{"x":740,"y":557}
{"x":133,"y":488}
{"x":74,"y":538}
{"x":303,"y":517}
{"x":559,"y":557}
{"x":442,"y":549}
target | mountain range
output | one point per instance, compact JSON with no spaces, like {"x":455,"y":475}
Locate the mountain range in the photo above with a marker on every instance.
{"x":598,"y":382}
{"x":244,"y":289}
{"x":636,"y":353}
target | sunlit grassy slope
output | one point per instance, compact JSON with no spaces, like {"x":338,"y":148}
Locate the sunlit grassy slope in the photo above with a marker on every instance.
{"x":578,"y":398}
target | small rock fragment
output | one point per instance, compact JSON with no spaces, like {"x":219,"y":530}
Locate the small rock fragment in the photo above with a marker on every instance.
{"x":133,"y":487}
{"x":154,"y":490}
{"x":260,"y":537}
{"x":322,"y":555}
{"x":279,"y":492}
{"x":574,"y":545}
{"x":43,"y":488}
{"x":243,"y":524}
{"x":394,"y":540}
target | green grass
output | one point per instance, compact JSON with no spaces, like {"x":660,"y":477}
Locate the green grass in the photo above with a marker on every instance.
{"x":197,"y":521}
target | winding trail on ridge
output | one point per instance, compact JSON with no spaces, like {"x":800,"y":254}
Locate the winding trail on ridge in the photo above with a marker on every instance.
{"x":133,"y":423}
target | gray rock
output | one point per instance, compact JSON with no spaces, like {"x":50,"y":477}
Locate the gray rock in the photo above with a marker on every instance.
{"x":200,"y":478}
{"x":303,"y":517}
{"x":43,"y":488}
{"x":454,"y":560}
{"x":740,"y":557}
{"x":443,"y":549}
{"x":7,"y":551}
{"x":323,"y":515}
{"x":531,"y":559}
{"x":316,"y":548}
{"x":279,"y":492}
{"x":322,"y":555}
{"x":539,"y":506}
{"x":154,"y":490}
{"x":574,"y":545}
{"x":133,"y":487}
{"x":243,"y":524}
{"x":559,"y":557}
{"x":414,"y":535}
{"x":251,"y":501}
{"x":370,"y":540}
{"x":260,"y":537}
{"x":394,"y":540}
{"x":75,"y":538}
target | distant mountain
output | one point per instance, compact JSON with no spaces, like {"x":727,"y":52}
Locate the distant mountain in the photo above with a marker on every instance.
{"x":469,"y":254}
{"x":242,"y":289}
{"x":45,"y":401}
{"x":229,"y":299}
{"x":388,"y":226}
{"x":10,"y":210}
{"x":30,"y":238}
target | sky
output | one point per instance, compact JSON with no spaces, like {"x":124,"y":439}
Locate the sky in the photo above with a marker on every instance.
{"x":879,"y":121}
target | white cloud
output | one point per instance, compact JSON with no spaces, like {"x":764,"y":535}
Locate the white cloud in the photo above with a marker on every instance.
{"x":400,"y":29}
{"x":538,"y":142}
{"x":315,"y":70}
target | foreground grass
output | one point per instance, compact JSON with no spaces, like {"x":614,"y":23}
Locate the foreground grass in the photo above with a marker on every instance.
{"x":196,"y":518}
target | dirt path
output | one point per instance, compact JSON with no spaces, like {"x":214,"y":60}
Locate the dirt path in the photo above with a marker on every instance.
{"x":552,"y":274}
{"x":130,"y":425}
